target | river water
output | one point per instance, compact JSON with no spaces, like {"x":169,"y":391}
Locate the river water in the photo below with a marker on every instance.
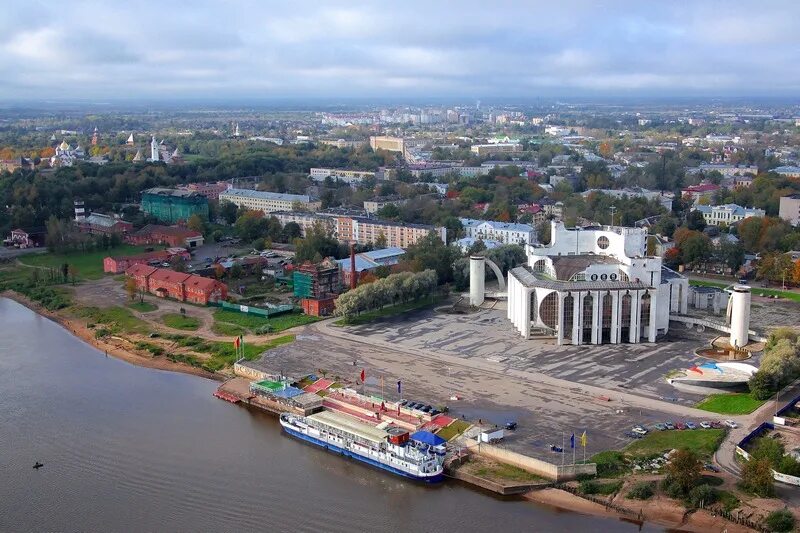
{"x":134,"y":449}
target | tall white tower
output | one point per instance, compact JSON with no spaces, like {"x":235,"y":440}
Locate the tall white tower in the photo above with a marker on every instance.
{"x":154,"y":149}
{"x":739,"y":315}
{"x":477,"y":273}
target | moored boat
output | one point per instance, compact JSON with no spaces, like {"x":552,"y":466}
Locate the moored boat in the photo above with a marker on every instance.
{"x":419,"y":456}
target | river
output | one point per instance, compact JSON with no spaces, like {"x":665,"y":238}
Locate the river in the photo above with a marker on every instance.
{"x":127,"y":448}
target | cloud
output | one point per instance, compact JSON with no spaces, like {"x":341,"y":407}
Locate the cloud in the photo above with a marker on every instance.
{"x":338,"y":48}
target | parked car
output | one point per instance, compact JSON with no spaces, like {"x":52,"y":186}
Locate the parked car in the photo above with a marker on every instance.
{"x":731,"y":424}
{"x":633,"y":435}
{"x":705,"y":425}
{"x":511,"y":425}
{"x":716,"y":424}
{"x":660,"y":426}
{"x":712,"y":468}
{"x":426,"y":408}
{"x":669,"y":425}
{"x":691,"y":425}
{"x":403,"y":402}
{"x":680,"y":425}
{"x":639,"y":430}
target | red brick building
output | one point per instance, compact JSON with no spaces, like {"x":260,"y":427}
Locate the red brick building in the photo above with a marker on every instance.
{"x":118,"y":265}
{"x":99,"y":224}
{"x":167,"y":283}
{"x":167,"y":235}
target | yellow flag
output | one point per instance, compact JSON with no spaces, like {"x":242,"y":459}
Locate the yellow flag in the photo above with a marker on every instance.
{"x":583,"y":439}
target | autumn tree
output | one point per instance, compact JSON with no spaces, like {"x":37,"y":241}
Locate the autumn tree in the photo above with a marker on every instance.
{"x":684,"y":469}
{"x":130,"y":288}
{"x":196,"y":223}
{"x":757,"y":478}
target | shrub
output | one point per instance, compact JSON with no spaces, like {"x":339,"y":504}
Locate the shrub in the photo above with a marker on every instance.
{"x":757,"y":478}
{"x":703,"y":495}
{"x":596,"y":487}
{"x":641,"y":491}
{"x":781,"y":520}
{"x":610,"y":463}
{"x":672,"y":489}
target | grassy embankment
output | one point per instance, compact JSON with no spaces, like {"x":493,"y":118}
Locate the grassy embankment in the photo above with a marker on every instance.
{"x":502,"y":472}
{"x":730,"y":404}
{"x":214,"y":356}
{"x":613,"y":463}
{"x":789,"y":295}
{"x":88,"y":265}
{"x":456,"y":428}
{"x":233,"y":323}
{"x":392,"y":310}
{"x":179,"y":321}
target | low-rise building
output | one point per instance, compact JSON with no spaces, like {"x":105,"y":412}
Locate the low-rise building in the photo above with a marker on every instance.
{"x":210,"y":190}
{"x":368,"y":262}
{"x":504,"y":232}
{"x":22,"y":238}
{"x":726,"y":170}
{"x":495,"y":148}
{"x":400,"y":235}
{"x":374,"y":205}
{"x":269,"y":202}
{"x":317,"y":285}
{"x":665,"y":199}
{"x":99,"y":224}
{"x":118,"y":265}
{"x":338,"y":174}
{"x":390,"y":144}
{"x":789,"y":209}
{"x":305,"y":220}
{"x":701,"y":191}
{"x":175,"y":236}
{"x":465,"y":243}
{"x":173,"y":205}
{"x":727,"y":214}
{"x":166,"y":283}
{"x":787,"y":171}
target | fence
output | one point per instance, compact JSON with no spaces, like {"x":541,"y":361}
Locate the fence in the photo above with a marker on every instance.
{"x":250,"y":310}
{"x":778,"y":476}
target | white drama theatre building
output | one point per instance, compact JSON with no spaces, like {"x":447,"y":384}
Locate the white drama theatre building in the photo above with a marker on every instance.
{"x":594,"y":285}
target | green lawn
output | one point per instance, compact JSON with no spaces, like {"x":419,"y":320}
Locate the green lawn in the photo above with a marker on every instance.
{"x":456,"y":428}
{"x":142,"y":307}
{"x":702,"y":441}
{"x":371,"y":316}
{"x":229,"y":330}
{"x":225,"y":318}
{"x":89,"y":265}
{"x":113,"y":319}
{"x":730,"y":404}
{"x":179,"y":321}
{"x":789,"y":295}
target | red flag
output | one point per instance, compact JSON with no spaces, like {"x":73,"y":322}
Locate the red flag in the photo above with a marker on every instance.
{"x":383,"y":406}
{"x":237,"y":342}
{"x":363,"y":375}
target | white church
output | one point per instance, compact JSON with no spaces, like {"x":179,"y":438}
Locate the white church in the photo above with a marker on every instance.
{"x":594,"y":285}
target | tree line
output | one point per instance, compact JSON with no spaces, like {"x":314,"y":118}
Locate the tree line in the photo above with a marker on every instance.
{"x":393,"y":289}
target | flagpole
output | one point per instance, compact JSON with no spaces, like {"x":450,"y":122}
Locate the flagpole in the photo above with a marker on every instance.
{"x":573,"y":451}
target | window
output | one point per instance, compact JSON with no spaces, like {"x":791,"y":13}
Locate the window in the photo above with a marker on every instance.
{"x":602,"y":242}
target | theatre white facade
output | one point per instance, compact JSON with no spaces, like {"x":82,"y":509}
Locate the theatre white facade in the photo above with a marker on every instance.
{"x":594,"y":286}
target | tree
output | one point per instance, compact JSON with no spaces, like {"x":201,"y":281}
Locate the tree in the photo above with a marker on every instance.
{"x":780,"y":521}
{"x":130,"y":288}
{"x":219,"y":270}
{"x":73,"y":273}
{"x":431,"y":253}
{"x":684,"y":470}
{"x":757,"y":478}
{"x":380,"y":241}
{"x":228,"y":211}
{"x":317,"y":244}
{"x":695,"y":221}
{"x":291,"y":231}
{"x":196,"y":223}
{"x":730,"y":253}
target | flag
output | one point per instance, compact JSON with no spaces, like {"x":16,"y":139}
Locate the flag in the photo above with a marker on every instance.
{"x":399,"y":387}
{"x":237,"y":342}
{"x":572,"y":441}
{"x":363,"y":375}
{"x":383,"y":406}
{"x":583,"y":439}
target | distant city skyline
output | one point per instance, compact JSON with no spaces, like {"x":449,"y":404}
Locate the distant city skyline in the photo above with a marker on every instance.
{"x":263,"y":50}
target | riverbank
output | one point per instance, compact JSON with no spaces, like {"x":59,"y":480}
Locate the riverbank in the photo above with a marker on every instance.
{"x":79,"y":329}
{"x":660,"y":511}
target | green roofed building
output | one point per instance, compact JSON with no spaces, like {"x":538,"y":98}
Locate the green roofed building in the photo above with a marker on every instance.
{"x":173,"y":205}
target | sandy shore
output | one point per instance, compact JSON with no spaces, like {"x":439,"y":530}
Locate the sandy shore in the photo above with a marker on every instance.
{"x":110,"y":346}
{"x":658,"y":511}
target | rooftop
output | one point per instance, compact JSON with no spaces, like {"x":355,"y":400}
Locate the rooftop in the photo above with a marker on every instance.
{"x":567,"y":266}
{"x":264,"y":195}
{"x":528,"y":278}
{"x":179,"y":193}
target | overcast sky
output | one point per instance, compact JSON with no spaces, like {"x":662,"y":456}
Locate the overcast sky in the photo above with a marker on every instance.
{"x":263,"y":49}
